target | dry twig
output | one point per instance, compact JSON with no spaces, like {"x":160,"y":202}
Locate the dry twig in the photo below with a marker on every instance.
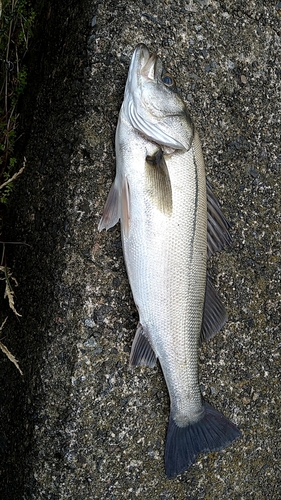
{"x":7,"y":352}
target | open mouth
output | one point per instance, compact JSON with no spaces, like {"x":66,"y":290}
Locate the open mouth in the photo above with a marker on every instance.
{"x":148,"y":70}
{"x":146,"y":62}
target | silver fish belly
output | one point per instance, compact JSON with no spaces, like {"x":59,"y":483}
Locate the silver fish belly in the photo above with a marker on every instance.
{"x":170,"y":223}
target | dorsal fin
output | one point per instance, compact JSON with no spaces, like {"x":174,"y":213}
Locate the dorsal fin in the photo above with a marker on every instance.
{"x":214,"y":314}
{"x":218,"y":235}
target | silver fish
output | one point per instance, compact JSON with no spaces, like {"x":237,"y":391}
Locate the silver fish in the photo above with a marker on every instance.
{"x":170,"y":223}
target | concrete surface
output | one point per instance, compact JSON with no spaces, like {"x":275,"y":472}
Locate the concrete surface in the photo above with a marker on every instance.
{"x":80,"y":424}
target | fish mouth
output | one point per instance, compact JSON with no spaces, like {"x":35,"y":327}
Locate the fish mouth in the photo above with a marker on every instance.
{"x":148,"y":63}
{"x":144,"y":62}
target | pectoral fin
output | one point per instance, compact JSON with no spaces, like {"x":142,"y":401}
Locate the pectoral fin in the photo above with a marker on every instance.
{"x":125,"y":206}
{"x":142,"y":353}
{"x":111,"y":212}
{"x":158,"y":182}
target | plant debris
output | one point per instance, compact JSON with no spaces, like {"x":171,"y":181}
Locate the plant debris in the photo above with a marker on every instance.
{"x":7,"y":352}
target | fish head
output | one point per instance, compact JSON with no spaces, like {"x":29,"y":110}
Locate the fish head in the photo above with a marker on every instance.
{"x":153,"y":106}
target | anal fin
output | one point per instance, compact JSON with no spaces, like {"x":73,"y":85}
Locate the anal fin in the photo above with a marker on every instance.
{"x":142,"y":352}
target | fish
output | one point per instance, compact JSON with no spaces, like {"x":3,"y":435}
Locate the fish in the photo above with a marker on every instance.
{"x":171,"y":223}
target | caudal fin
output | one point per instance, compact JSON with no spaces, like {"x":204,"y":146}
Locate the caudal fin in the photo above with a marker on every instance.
{"x":212,"y":432}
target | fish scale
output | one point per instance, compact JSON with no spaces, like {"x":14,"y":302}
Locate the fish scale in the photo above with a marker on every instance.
{"x":169,"y":220}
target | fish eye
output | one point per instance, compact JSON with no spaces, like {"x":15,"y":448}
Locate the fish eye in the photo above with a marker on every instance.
{"x":168,"y":80}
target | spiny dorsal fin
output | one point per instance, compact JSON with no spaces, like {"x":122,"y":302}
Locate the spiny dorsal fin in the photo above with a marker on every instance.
{"x":214,"y":314}
{"x":142,"y":353}
{"x":158,"y":182}
{"x":218,"y":235}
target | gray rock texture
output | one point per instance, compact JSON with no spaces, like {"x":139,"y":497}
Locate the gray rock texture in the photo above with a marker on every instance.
{"x":79,"y":424}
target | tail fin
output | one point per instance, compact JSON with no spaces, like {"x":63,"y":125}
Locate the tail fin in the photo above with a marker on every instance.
{"x":212,"y":432}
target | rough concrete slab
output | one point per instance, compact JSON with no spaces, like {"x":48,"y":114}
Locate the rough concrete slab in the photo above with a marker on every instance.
{"x":80,"y":424}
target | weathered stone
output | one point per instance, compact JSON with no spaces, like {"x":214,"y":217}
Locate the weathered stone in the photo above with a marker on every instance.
{"x":79,"y":424}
